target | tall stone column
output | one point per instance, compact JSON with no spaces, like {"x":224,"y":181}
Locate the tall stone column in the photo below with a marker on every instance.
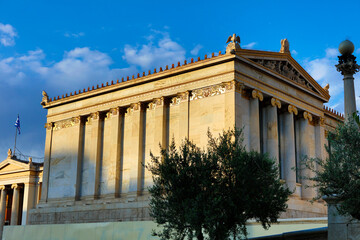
{"x":348,"y":67}
{"x":2,"y":208}
{"x":47,"y":156}
{"x":256,"y":96}
{"x":29,"y":201}
{"x":287,"y":141}
{"x":307,"y":150}
{"x":271,"y":140}
{"x":15,"y":204}
{"x":96,"y":121}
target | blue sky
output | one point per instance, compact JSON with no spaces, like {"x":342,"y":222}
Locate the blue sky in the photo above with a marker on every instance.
{"x":62,"y":46}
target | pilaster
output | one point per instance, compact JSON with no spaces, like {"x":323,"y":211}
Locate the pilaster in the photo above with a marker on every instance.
{"x":307,"y":150}
{"x":47,"y":156}
{"x":184,"y":115}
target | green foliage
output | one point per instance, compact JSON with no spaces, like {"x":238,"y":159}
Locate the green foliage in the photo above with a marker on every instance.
{"x":339,"y":174}
{"x":214,"y":191}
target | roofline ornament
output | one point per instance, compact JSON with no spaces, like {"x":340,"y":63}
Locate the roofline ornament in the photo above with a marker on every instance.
{"x":285,"y":46}
{"x":234,"y":44}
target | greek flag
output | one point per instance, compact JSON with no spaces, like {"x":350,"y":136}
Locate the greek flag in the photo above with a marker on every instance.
{"x":17,"y":124}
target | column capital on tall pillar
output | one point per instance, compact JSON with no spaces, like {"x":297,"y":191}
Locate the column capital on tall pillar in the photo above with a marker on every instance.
{"x":2,"y":187}
{"x":15,"y":186}
{"x":257,"y":94}
{"x":347,"y":65}
{"x":49,"y":125}
{"x":275,"y":102}
{"x":308,"y":116}
{"x":292,"y":109}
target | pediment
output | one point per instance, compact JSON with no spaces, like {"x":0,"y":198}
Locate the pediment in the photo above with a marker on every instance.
{"x":284,"y":65}
{"x":10,"y":165}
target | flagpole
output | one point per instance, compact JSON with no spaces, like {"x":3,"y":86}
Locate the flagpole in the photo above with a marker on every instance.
{"x":15,"y":140}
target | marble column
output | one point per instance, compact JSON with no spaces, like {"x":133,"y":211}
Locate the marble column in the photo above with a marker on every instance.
{"x":256,"y":96}
{"x":2,"y":208}
{"x":288,"y":153}
{"x":307,"y":150}
{"x":47,"y":156}
{"x":118,"y":115}
{"x":270,"y":126}
{"x":29,"y":201}
{"x":97,"y":122}
{"x":15,"y":204}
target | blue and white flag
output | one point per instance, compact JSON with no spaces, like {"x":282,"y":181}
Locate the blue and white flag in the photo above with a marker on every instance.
{"x":17,"y":124}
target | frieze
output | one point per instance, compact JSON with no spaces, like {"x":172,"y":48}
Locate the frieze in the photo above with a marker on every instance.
{"x":275,"y":102}
{"x":64,"y":123}
{"x":286,"y":69}
{"x":292,"y":109}
{"x":135,"y":98}
{"x":209,"y":91}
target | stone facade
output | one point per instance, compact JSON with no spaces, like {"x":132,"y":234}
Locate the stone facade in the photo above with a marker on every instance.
{"x":98,"y":139}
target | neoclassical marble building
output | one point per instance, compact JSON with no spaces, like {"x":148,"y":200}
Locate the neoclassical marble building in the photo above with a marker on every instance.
{"x":99,"y":138}
{"x":20,"y":186}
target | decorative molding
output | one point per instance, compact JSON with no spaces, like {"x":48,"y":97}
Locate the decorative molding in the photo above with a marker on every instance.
{"x":156,"y":102}
{"x":322,"y":121}
{"x":257,"y":94}
{"x":308,"y":116}
{"x":275,"y":102}
{"x":65,"y":123}
{"x":292,"y":109}
{"x":211,"y":91}
{"x":285,"y":69}
{"x":49,"y":125}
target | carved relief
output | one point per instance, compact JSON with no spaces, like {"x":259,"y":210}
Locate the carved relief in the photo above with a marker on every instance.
{"x":257,"y":94}
{"x":210,"y":91}
{"x":286,"y":69}
{"x":65,"y":123}
{"x":285,"y":46}
{"x":9,"y":153}
{"x":275,"y":102}
{"x":292,"y":109}
{"x":308,"y":116}
{"x":181,"y":97}
{"x":45,"y":98}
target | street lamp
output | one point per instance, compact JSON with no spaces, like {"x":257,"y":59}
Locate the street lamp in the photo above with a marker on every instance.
{"x":348,"y":67}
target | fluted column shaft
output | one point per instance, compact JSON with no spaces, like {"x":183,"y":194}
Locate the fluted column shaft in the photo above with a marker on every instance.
{"x":256,"y":96}
{"x":349,"y":95}
{"x":288,"y":153}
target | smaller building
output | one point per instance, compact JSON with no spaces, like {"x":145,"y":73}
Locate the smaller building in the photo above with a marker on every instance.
{"x":20,"y":186}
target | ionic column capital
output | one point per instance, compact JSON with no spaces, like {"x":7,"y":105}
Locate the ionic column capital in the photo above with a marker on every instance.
{"x":49,"y":125}
{"x":15,"y":186}
{"x":292,"y":109}
{"x":257,"y":94}
{"x":275,"y":102}
{"x":2,"y":187}
{"x":308,"y":116}
{"x":156,"y":102}
{"x":112,"y":112}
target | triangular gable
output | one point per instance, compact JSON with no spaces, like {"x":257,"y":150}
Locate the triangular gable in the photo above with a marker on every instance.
{"x":10,"y":165}
{"x":286,"y":66}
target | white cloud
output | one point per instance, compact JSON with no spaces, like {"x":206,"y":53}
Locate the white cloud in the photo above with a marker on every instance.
{"x":74,"y":35}
{"x":196,"y":49}
{"x":294,"y":52}
{"x":249,"y":45}
{"x":164,"y":52}
{"x":7,"y":35}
